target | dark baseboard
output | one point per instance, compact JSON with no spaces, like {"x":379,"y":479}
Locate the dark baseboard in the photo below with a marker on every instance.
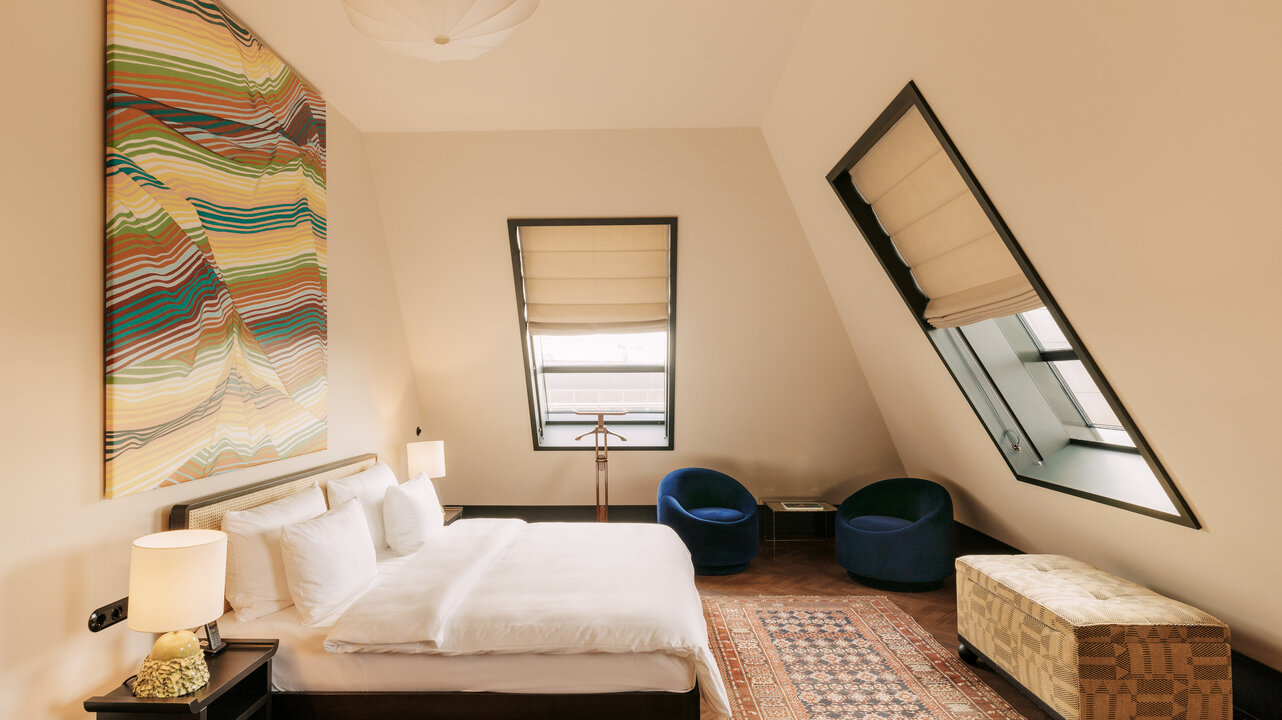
{"x":1257,"y":688}
{"x":790,"y":526}
{"x":562,"y":513}
{"x":969,"y":541}
{"x":626,"y":513}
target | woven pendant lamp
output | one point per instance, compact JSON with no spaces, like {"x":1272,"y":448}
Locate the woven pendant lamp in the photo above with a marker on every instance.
{"x":439,"y":30}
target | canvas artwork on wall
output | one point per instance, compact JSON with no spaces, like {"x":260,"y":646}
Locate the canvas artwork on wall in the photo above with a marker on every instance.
{"x":215,"y":249}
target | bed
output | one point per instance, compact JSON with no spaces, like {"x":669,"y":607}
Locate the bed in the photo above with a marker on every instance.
{"x":487,"y":665}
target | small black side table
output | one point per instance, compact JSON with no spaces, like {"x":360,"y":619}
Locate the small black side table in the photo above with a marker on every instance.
{"x":240,"y":688}
{"x":809,"y":506}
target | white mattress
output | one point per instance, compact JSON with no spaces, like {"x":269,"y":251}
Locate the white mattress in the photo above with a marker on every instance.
{"x":302,"y":664}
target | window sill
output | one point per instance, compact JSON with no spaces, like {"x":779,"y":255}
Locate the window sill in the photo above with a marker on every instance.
{"x":1116,"y":477}
{"x":639,"y":437}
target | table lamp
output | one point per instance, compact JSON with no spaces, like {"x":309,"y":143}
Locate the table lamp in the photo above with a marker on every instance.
{"x":176,"y":582}
{"x":426,"y":457}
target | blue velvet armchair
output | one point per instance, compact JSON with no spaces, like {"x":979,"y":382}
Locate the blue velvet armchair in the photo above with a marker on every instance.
{"x":714,"y":515}
{"x":897,"y":534}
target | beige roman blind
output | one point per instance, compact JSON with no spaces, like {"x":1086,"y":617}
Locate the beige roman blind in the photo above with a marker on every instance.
{"x":581,"y":279}
{"x":956,"y":256}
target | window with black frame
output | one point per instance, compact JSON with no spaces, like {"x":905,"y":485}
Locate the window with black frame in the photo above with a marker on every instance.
{"x":1024,"y":370}
{"x":596,"y":301}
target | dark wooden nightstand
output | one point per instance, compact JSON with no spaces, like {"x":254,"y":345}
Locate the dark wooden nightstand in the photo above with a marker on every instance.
{"x":452,"y":513}
{"x":240,"y":688}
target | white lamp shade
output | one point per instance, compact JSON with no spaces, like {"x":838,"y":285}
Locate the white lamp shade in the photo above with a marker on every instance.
{"x":427,"y":457}
{"x":439,"y":29}
{"x":177,"y":580}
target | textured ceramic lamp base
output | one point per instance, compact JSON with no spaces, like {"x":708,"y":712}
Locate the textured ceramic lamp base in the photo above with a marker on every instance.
{"x":176,"y":666}
{"x":171,"y":678}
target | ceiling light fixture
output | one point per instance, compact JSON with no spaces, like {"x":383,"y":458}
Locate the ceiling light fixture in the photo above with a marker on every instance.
{"x":439,"y":30}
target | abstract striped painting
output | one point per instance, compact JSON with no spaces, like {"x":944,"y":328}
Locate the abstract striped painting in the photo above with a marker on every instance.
{"x":215,"y":249}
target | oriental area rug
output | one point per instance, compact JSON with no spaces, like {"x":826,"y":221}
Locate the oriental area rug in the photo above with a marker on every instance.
{"x":847,"y":657}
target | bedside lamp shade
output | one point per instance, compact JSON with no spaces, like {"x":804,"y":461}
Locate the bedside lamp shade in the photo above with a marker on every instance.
{"x":177,"y":580}
{"x":426,"y":457}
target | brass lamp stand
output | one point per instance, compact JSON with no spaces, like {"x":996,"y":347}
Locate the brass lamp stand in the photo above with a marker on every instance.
{"x":601,"y":438}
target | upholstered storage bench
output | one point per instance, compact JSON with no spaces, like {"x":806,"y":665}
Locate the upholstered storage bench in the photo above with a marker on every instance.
{"x":1087,"y":645}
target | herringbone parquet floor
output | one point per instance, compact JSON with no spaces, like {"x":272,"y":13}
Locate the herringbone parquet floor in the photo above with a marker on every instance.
{"x":809,"y":567}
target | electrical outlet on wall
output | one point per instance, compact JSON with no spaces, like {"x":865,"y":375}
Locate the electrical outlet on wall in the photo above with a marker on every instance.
{"x":109,"y":615}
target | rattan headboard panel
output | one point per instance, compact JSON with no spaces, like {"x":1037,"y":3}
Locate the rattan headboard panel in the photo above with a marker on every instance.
{"x":207,"y":513}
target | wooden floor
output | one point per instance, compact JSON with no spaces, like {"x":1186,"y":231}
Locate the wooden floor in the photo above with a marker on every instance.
{"x":809,"y":567}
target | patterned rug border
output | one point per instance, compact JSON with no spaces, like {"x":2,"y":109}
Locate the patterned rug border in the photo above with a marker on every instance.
{"x":936,"y":678}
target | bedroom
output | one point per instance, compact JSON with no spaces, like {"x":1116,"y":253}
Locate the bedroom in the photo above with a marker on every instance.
{"x":1144,"y":127}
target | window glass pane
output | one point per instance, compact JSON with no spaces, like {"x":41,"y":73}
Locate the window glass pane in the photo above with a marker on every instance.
{"x":604,"y":349}
{"x":1044,"y":330}
{"x":1086,"y":393}
{"x":602,"y":391}
{"x":1111,"y":436}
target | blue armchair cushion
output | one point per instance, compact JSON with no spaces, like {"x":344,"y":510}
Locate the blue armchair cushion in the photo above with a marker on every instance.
{"x":716,"y":514}
{"x":877,"y":523}
{"x":897,"y":534}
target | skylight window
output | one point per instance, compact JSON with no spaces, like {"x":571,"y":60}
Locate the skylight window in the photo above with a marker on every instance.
{"x":1034,"y":388}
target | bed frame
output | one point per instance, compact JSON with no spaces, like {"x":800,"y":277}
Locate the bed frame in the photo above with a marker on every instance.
{"x":207,"y":513}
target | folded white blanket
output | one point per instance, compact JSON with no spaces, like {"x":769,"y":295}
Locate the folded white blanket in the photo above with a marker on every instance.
{"x":504,"y":586}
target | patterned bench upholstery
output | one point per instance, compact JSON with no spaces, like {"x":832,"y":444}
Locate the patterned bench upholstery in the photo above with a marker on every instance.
{"x":1091,"y":646}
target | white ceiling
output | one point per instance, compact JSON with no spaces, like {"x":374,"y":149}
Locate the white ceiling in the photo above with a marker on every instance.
{"x":575,"y":64}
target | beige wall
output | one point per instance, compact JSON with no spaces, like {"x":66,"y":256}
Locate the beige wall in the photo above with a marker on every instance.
{"x":63,"y":549}
{"x":1133,"y":150}
{"x":768,"y":388}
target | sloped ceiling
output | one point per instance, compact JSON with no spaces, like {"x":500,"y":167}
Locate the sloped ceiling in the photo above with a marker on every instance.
{"x":1133,"y":154}
{"x":575,"y":64}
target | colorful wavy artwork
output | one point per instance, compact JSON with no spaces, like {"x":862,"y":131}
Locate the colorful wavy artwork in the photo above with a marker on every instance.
{"x":215,"y":249}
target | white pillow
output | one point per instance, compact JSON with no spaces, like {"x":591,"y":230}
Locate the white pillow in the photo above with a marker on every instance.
{"x":329,"y":561}
{"x":369,"y":487}
{"x":256,"y":584}
{"x":412,"y":512}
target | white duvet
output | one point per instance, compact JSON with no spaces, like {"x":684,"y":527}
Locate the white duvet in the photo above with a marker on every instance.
{"x":505,"y":586}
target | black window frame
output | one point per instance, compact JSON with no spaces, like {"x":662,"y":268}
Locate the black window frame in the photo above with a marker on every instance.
{"x":531,"y":371}
{"x":861,"y":212}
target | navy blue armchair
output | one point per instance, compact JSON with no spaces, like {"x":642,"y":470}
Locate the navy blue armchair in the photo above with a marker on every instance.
{"x":897,"y":534}
{"x":714,"y":515}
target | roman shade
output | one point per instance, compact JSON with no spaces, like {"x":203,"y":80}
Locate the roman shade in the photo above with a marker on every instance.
{"x":939,"y":229}
{"x":581,"y":279}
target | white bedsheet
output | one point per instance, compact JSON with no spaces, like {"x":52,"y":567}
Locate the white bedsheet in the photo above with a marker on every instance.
{"x":507,"y":587}
{"x":302,"y":664}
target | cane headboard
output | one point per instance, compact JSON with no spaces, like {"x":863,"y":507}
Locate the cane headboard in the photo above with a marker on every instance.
{"x":206,"y":513}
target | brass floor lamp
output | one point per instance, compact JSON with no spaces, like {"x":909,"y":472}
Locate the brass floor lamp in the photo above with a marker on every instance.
{"x":601,"y":439}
